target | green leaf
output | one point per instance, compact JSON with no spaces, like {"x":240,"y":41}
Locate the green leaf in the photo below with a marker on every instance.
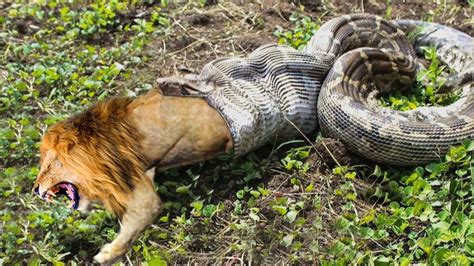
{"x":469,"y":145}
{"x":343,"y":223}
{"x":404,"y":261}
{"x":209,"y":210}
{"x":377,"y":171}
{"x":461,"y":172}
{"x":183,"y":189}
{"x":287,"y":240}
{"x":280,"y":209}
{"x":350,"y":175}
{"x":240,"y":194}
{"x":456,"y":154}
{"x":425,"y":244}
{"x":291,"y":215}
{"x":197,"y":205}
{"x":255,"y":193}
{"x":157,"y":261}
{"x":366,"y":232}
{"x":420,"y":207}
{"x":254,"y":216}
{"x":165,"y":219}
{"x":367,"y":218}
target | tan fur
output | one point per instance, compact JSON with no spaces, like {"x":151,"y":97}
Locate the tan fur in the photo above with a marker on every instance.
{"x":106,"y":150}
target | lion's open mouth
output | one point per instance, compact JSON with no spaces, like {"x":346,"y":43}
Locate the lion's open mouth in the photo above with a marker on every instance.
{"x":64,"y":188}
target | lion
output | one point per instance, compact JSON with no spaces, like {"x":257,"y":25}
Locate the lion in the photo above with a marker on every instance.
{"x":103,"y":154}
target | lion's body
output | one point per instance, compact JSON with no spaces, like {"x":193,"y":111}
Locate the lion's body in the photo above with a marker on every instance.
{"x":178,"y":130}
{"x":106,"y":150}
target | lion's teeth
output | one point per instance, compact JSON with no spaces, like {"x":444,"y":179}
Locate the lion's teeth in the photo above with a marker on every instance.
{"x":67,"y":189}
{"x":70,"y":195}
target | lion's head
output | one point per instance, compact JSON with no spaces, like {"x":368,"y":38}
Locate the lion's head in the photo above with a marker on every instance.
{"x":94,"y":155}
{"x":54,"y":179}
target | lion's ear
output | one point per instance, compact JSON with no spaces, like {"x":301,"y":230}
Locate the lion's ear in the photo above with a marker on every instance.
{"x":66,"y":142}
{"x":59,"y":139}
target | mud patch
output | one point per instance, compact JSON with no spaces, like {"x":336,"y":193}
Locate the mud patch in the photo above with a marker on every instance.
{"x":249,"y":43}
{"x":179,"y":42}
{"x":199,"y":19}
{"x":27,"y":26}
{"x":329,"y":153}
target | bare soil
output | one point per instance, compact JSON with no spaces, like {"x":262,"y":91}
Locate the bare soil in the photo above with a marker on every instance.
{"x":236,"y":28}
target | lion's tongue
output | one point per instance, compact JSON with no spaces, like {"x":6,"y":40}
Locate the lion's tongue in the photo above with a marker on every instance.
{"x":67,"y":189}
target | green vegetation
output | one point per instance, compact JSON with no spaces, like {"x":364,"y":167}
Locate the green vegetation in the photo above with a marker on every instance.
{"x":302,"y":32}
{"x":277,"y":203}
{"x":429,"y":214}
{"x":425,"y":90}
{"x":56,"y":58}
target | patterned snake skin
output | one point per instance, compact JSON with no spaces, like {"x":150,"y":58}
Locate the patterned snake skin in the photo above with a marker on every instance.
{"x":274,"y":91}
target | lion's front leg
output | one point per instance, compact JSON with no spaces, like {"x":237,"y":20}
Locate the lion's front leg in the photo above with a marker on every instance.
{"x":141,"y":211}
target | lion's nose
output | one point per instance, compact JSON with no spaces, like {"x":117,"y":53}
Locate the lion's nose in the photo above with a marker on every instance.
{"x":36,"y":189}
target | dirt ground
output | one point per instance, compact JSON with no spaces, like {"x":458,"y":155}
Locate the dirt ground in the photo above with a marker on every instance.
{"x":236,"y":28}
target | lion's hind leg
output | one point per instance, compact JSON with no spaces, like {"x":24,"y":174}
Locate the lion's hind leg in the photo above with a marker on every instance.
{"x":142,"y":209}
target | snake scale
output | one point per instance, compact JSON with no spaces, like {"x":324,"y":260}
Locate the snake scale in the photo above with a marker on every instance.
{"x":334,"y":82}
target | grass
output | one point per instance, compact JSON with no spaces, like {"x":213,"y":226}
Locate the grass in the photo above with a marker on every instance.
{"x":424,"y":91}
{"x":280,"y":203}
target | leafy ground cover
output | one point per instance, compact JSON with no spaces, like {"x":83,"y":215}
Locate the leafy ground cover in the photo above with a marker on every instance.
{"x":291,"y":202}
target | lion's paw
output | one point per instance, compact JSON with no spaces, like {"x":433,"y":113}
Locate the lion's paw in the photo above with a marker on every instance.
{"x":109,"y":254}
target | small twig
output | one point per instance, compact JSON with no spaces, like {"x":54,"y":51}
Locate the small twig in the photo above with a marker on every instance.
{"x":224,"y":230}
{"x":230,"y":260}
{"x":298,"y":193}
{"x":362,"y":6}
{"x":314,"y":147}
{"x":128,"y":259}
{"x":330,"y":153}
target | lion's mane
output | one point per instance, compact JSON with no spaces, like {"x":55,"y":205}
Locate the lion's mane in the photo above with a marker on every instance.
{"x":102,"y":148}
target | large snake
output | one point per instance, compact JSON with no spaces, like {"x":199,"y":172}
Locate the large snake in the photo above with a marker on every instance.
{"x":274,"y":92}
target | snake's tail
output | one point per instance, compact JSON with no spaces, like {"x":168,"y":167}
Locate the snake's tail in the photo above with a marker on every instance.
{"x":454,"y":48}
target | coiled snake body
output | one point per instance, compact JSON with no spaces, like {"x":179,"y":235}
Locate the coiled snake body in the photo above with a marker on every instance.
{"x":278,"y":91}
